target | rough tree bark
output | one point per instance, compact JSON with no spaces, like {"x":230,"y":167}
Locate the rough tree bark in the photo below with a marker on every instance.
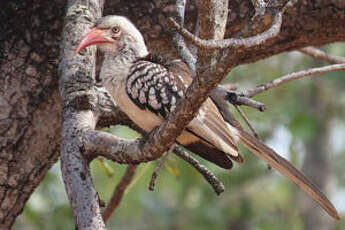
{"x":30,"y":110}
{"x":29,"y":99}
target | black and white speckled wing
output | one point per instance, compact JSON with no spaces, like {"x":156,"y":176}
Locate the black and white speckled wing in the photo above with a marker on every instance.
{"x":151,"y":86}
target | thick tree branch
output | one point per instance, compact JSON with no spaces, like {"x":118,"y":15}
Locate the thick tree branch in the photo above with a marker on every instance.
{"x":211,"y":25}
{"x":114,"y":148}
{"x":293,"y":76}
{"x":78,"y":100}
{"x":321,"y":55}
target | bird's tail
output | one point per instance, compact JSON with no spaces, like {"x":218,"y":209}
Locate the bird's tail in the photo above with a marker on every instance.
{"x":287,"y":169}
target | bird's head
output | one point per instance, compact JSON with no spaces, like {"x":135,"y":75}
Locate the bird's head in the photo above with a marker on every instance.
{"x":114,"y":35}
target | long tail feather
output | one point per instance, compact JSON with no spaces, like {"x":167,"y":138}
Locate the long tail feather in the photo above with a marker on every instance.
{"x":288,"y":170}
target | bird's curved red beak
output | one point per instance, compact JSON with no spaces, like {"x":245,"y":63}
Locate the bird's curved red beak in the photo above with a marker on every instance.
{"x":95,"y":36}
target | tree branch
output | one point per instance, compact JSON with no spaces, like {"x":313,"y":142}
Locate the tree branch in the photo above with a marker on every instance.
{"x":293,"y":76}
{"x":158,"y":168}
{"x":180,"y":44}
{"x":216,"y":184}
{"x":123,"y":151}
{"x":235,"y":43}
{"x":119,"y":192}
{"x":321,"y":55}
{"x":244,"y":117}
{"x":76,"y":85}
{"x":211,"y":25}
{"x":237,"y":98}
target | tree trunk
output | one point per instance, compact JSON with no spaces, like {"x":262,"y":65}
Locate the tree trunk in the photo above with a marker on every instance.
{"x":29,"y":100}
{"x":30,"y":121}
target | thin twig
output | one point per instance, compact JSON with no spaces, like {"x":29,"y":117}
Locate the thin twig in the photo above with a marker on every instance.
{"x":158,"y":168}
{"x":321,"y":55}
{"x":249,"y":42}
{"x":216,"y":184}
{"x":243,"y":115}
{"x":231,"y":42}
{"x":119,"y":192}
{"x":180,"y":44}
{"x":293,"y":76}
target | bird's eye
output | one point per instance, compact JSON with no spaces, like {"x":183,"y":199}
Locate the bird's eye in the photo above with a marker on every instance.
{"x":115,"y":29}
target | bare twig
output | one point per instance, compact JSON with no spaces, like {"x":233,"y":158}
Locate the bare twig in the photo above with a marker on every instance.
{"x":158,"y":168}
{"x":293,"y":76}
{"x":321,"y":55}
{"x":216,"y":184}
{"x":249,"y":42}
{"x":231,"y":42}
{"x":243,"y":115}
{"x":180,"y":44}
{"x":119,"y":192}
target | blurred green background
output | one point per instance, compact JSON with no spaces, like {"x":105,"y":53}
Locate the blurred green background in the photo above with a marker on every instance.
{"x":300,"y":114}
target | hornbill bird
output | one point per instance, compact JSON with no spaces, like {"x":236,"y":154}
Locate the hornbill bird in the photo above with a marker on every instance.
{"x":147,"y":91}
